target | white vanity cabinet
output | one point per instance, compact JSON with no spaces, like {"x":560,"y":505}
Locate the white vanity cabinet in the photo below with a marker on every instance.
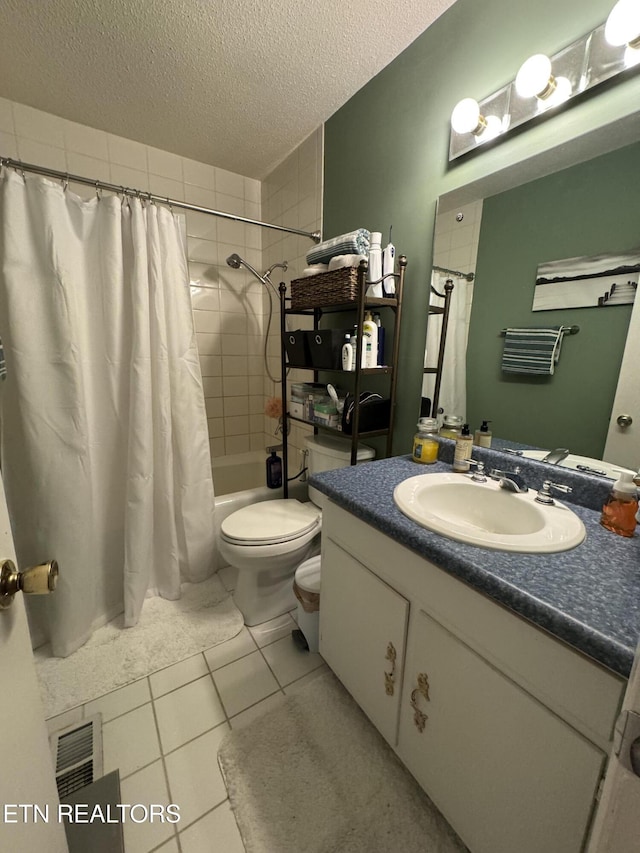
{"x":506,"y":728}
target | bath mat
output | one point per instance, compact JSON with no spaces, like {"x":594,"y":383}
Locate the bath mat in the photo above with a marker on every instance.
{"x":167,"y":632}
{"x":314,"y":775}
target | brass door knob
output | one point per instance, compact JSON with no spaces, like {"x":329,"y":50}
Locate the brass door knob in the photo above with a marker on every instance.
{"x":37,"y":580}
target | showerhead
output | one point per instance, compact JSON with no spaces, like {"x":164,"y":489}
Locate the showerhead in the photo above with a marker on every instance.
{"x":282,"y":266}
{"x":234,"y":261}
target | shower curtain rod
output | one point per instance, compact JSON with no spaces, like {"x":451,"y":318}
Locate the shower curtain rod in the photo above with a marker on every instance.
{"x":65,"y":177}
{"x":469,"y":276}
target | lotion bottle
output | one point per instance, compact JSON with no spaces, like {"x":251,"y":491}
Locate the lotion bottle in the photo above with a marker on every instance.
{"x":274,"y":471}
{"x":378,"y":322}
{"x":370,"y":332}
{"x":482,"y":436}
{"x":347,"y":354}
{"x":462,"y":452}
{"x":620,"y":508}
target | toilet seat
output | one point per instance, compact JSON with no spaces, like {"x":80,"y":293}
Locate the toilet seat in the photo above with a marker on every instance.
{"x":270,"y":523}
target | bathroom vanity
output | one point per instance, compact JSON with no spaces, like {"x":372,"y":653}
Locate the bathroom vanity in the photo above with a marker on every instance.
{"x":496,"y":678}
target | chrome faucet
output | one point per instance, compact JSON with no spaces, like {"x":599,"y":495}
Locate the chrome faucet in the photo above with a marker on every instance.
{"x":512,"y":481}
{"x":555,"y":457}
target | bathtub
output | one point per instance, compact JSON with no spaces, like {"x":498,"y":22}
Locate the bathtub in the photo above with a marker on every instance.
{"x":239,"y":480}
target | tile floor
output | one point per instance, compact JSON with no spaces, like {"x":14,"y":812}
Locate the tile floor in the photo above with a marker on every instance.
{"x":163,"y":731}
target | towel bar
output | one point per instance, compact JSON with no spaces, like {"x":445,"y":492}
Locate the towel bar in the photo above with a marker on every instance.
{"x":566,"y":330}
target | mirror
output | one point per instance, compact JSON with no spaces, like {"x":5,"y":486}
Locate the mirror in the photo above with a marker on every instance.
{"x":585,"y":209}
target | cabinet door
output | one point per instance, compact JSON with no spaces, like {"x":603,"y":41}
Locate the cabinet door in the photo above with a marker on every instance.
{"x":363,"y":626}
{"x":507,"y":773}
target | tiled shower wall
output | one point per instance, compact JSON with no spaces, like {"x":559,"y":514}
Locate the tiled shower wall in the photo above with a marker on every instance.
{"x":229,"y":305}
{"x":291,"y":196}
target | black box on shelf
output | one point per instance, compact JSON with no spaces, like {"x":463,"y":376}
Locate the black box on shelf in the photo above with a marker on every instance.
{"x":296,"y":345}
{"x":375,"y":413}
{"x":325,"y":346}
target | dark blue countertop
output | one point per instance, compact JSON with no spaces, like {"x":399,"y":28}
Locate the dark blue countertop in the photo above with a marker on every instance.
{"x":588,"y":596}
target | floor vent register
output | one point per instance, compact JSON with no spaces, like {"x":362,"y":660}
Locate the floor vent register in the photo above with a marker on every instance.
{"x":77,"y":755}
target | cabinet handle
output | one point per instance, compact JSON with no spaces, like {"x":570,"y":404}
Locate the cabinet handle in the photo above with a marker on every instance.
{"x":390,"y":677}
{"x":419,"y":717}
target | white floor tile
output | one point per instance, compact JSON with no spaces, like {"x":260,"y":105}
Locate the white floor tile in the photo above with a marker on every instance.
{"x":177,"y":675}
{"x":169,"y":847}
{"x":306,"y":679}
{"x":120,"y":701}
{"x":148,"y":786}
{"x":195,"y":779}
{"x":239,"y":646}
{"x":255,"y":711}
{"x":187,"y":712}
{"x":130,"y":741}
{"x":61,"y":721}
{"x":228,"y":576}
{"x":275,"y":629}
{"x":289,"y":662}
{"x":216,"y":832}
{"x":244,"y":682}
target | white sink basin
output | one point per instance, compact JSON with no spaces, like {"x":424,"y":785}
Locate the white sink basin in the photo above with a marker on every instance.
{"x":485,"y":514}
{"x":605,"y":469}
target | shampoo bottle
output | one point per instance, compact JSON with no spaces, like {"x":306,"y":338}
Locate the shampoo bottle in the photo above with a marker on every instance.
{"x":388,"y":267}
{"x":370,"y":332}
{"x":347,"y":353}
{"x":619,"y":511}
{"x":274,"y":471}
{"x":374,"y":270}
{"x":378,"y":322}
{"x":482,"y":437}
{"x":462,"y":452}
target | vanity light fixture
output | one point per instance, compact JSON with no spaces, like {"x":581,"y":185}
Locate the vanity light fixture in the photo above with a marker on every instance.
{"x":544,"y":82}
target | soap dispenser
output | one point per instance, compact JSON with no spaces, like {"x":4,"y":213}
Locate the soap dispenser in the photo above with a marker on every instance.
{"x":619,"y":511}
{"x":462,"y":452}
{"x":482,"y":437}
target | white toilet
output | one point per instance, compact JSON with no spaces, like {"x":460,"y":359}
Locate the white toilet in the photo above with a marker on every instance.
{"x":268,"y":540}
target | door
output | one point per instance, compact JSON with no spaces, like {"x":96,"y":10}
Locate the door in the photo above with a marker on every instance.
{"x":617,"y":822}
{"x":363,"y":624}
{"x":507,"y":773}
{"x":26,"y":775}
{"x":623,"y":442}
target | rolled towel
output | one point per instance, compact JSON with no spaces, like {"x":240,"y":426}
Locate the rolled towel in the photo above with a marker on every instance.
{"x":355,"y":242}
{"x":340,"y":261}
{"x":532,"y":350}
{"x":314,"y":270}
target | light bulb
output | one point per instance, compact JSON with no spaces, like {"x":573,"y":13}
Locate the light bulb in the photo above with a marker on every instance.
{"x":631,"y":57}
{"x":561,"y":93}
{"x":534,"y":78}
{"x":493,"y":128}
{"x":466,"y":117}
{"x":623,"y":23}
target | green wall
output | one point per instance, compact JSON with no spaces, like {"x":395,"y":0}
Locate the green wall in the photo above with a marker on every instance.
{"x":386,"y":150}
{"x":587,"y":209}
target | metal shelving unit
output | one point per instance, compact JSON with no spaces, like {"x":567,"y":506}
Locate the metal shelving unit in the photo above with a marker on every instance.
{"x":360,"y":306}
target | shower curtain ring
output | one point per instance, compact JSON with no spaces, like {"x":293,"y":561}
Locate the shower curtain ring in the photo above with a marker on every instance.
{"x":98,"y":190}
{"x":169,"y":203}
{"x":65,"y":183}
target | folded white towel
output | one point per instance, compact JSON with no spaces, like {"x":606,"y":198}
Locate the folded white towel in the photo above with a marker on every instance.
{"x":314,"y":269}
{"x":340,"y":261}
{"x":355,"y":241}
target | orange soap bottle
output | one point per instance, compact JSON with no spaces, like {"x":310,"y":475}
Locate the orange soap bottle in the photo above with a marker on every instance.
{"x":619,"y":511}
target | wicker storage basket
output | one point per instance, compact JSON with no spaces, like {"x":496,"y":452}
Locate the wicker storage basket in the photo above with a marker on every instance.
{"x":325,"y":288}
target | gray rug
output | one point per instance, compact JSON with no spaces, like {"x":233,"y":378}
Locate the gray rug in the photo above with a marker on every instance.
{"x":314,"y":776}
{"x":167,"y":632}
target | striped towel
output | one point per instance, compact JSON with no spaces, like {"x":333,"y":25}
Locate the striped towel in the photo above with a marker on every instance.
{"x":353,"y":243}
{"x":532,"y":350}
{"x":3,"y":364}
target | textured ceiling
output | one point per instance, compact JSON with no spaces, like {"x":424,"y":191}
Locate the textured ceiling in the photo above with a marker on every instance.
{"x":235,"y":83}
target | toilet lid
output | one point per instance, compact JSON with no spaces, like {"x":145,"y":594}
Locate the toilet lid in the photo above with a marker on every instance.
{"x":270,"y":522}
{"x":308,"y":575}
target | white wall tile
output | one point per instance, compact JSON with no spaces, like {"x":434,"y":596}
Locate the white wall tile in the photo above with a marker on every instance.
{"x":38,"y":126}
{"x":6,"y":116}
{"x":88,"y":167}
{"x":85,"y":140}
{"x":166,"y":187}
{"x":42,"y":155}
{"x":237,"y":444}
{"x":8,"y":145}
{"x":230,"y":183}
{"x":199,"y":174}
{"x":164,"y":163}
{"x":126,"y":177}
{"x":127,"y":152}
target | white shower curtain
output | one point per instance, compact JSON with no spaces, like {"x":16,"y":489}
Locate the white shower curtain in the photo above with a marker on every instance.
{"x":105,"y":451}
{"x":453,"y":388}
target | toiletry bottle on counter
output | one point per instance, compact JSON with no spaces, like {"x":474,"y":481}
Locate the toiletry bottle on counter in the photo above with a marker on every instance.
{"x":388,"y":267}
{"x":348,"y":362}
{"x":482,"y":436}
{"x":425,"y":441}
{"x":451,"y":426}
{"x":619,"y":511}
{"x":378,"y":322}
{"x":274,"y":471}
{"x":462,"y":453}
{"x":374,"y":270}
{"x":370,"y":332}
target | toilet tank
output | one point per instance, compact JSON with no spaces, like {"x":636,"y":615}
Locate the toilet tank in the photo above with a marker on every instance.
{"x":326,"y":454}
